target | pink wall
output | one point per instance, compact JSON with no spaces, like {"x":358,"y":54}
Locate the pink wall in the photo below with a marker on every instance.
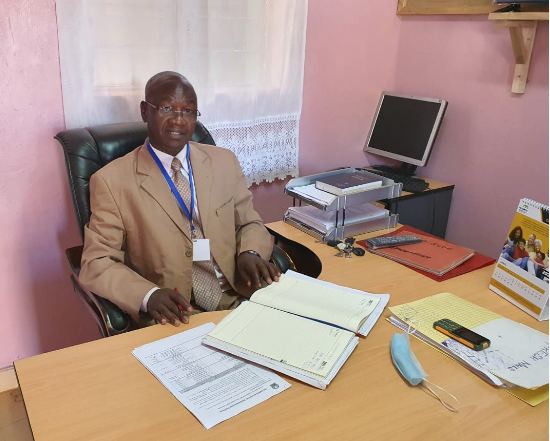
{"x":40,"y":311}
{"x":493,"y":146}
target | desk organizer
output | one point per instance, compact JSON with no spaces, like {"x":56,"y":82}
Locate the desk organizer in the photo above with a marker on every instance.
{"x":341,"y":230}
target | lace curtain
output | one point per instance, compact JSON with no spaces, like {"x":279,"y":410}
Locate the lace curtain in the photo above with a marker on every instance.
{"x":245,"y":59}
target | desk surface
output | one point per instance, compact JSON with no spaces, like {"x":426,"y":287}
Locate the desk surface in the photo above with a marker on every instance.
{"x":98,"y":390}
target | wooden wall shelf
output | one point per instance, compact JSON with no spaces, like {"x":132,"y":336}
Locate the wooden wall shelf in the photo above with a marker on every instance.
{"x":437,"y":7}
{"x":523,"y":28}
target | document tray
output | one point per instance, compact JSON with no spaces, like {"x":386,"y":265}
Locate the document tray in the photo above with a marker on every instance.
{"x":388,"y":190}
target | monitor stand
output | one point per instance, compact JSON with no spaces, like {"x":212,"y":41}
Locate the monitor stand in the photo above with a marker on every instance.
{"x":405,"y":169}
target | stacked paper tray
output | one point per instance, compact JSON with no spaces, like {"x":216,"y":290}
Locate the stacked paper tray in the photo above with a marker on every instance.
{"x":303,"y":189}
{"x":388,"y":190}
{"x":344,"y":231}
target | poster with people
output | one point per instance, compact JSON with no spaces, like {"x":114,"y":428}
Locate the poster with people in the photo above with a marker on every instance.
{"x":521,"y":272}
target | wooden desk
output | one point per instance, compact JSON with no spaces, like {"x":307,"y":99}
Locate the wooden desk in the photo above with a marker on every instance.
{"x":99,"y":391}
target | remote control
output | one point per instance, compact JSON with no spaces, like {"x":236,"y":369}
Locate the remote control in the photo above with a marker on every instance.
{"x":391,"y":241}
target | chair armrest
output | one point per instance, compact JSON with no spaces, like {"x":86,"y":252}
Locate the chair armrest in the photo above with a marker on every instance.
{"x":74,"y":256}
{"x":281,"y":259}
{"x":109,"y":317}
{"x":303,"y":259}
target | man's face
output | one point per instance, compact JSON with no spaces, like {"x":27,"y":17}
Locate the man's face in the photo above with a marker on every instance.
{"x":170,"y":133}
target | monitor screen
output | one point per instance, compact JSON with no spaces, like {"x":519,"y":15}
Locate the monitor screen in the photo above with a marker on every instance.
{"x":405,"y":127}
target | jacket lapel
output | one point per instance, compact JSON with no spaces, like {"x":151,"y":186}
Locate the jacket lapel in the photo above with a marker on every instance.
{"x":202,"y":176}
{"x":152,"y":181}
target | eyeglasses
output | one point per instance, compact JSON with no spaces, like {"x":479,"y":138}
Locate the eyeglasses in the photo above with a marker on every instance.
{"x":168,"y":111}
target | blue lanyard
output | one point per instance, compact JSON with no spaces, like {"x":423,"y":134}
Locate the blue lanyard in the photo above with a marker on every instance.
{"x":188,"y":213}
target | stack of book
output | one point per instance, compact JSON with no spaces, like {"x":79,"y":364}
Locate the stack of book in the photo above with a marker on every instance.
{"x":348,"y":183}
{"x":433,"y":255}
{"x":516,"y":360}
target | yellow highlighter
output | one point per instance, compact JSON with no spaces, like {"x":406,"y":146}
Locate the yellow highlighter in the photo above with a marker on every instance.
{"x":461,"y":334}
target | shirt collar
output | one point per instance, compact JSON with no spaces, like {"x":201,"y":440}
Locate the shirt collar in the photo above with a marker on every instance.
{"x":167,"y":159}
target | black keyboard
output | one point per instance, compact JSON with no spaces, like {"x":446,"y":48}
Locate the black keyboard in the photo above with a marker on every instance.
{"x":410,"y":183}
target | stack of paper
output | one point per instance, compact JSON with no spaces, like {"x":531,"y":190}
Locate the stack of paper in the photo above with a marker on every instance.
{"x":325,"y":221}
{"x":212,"y":385}
{"x":517,"y":356}
{"x":314,"y":194}
{"x":434,"y":255}
{"x":300,"y":326}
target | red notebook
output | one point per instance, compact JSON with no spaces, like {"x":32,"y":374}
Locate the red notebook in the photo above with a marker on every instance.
{"x":476,"y":261}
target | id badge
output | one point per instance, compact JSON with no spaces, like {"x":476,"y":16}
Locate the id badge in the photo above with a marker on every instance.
{"x":201,"y":249}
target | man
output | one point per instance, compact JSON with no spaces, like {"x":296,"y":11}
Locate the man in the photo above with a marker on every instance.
{"x":173,"y":228}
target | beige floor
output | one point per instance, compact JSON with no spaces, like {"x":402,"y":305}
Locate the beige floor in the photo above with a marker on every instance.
{"x":14,"y":425}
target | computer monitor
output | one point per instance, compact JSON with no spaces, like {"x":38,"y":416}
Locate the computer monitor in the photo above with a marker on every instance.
{"x":404,"y":127}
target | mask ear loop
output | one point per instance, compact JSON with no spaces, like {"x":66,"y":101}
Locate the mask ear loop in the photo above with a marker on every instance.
{"x":424,"y":381}
{"x":448,"y":406}
{"x":411,"y":323}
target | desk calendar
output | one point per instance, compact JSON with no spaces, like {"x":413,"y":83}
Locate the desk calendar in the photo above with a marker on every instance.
{"x":521,"y":272}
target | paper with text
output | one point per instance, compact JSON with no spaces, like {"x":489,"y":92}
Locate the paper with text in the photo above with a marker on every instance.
{"x":314,"y":194}
{"x":517,"y":354}
{"x":324,"y":302}
{"x":286,"y":338}
{"x":211,"y":384}
{"x":424,"y":312}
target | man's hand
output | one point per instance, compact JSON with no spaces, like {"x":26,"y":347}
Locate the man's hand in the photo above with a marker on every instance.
{"x":164,"y":306}
{"x":252,"y":267}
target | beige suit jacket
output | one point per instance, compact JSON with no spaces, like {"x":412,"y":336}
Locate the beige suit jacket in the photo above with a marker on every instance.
{"x":137,"y":239}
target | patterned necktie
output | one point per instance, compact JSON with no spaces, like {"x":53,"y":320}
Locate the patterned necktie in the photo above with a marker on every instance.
{"x":206,"y":286}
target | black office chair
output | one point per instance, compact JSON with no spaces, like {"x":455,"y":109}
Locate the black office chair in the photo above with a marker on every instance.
{"x":86,"y":151}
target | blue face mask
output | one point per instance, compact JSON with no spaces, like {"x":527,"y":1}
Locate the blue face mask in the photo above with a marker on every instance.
{"x":410,"y":368}
{"x":404,"y":359}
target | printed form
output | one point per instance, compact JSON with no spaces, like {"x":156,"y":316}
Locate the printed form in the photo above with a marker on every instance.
{"x":212,"y":385}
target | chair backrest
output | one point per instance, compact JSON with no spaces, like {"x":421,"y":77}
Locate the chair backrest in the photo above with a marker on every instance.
{"x":87,"y":150}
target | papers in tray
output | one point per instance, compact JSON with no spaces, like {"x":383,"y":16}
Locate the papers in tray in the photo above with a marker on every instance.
{"x":325,"y":221}
{"x":300,"y":326}
{"x":212,"y":385}
{"x":518,"y":355}
{"x":314,"y":194}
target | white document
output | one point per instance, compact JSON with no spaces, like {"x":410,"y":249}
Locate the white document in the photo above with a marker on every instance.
{"x":309,"y":297}
{"x":212,"y":385}
{"x":325,"y":221}
{"x":373,"y":316}
{"x":517,"y":354}
{"x":465,"y":361}
{"x":314,"y":194}
{"x":305,"y":349}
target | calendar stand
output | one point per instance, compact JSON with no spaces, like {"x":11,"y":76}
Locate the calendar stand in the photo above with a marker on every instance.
{"x":521,"y":272}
